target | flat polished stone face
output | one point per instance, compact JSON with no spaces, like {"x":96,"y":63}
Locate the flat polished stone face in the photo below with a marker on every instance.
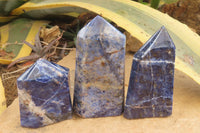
{"x":150,"y":91}
{"x":44,"y":96}
{"x":99,"y":76}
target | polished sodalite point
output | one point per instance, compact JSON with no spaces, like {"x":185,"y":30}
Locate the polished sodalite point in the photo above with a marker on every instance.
{"x":99,"y":76}
{"x":44,"y":95}
{"x":150,"y":91}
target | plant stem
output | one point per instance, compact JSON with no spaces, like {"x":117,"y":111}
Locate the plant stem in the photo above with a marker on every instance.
{"x":155,"y":3}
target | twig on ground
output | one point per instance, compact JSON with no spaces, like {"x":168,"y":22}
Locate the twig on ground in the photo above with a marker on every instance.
{"x":62,"y":53}
{"x":38,"y":49}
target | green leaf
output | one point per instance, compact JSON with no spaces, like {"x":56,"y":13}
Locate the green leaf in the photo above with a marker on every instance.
{"x":139,"y":20}
{"x":155,"y":3}
{"x":170,"y":1}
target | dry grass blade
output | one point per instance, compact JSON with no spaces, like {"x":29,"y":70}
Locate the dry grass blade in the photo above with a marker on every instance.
{"x":31,"y":57}
{"x":31,"y":46}
{"x":62,"y":53}
{"x":37,"y":40}
{"x":49,"y":46}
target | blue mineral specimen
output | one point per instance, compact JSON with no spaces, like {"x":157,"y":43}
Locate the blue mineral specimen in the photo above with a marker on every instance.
{"x":44,"y":95}
{"x":99,"y":76}
{"x":150,"y":91}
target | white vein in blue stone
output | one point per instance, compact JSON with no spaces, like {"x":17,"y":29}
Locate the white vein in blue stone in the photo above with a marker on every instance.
{"x":25,"y":97}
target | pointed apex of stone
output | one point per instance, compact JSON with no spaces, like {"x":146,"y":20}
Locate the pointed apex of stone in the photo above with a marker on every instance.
{"x":98,"y":19}
{"x":43,"y":69}
{"x":98,"y":26}
{"x":161,"y":39}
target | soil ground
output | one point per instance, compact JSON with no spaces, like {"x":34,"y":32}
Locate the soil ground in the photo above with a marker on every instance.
{"x":186,"y":11}
{"x":10,"y":83}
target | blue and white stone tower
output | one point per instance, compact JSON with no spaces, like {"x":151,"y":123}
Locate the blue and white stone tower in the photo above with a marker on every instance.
{"x":99,"y":76}
{"x":150,"y":91}
{"x":44,"y":95}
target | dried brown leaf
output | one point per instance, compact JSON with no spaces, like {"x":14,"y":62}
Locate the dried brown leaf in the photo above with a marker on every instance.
{"x":48,"y":35}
